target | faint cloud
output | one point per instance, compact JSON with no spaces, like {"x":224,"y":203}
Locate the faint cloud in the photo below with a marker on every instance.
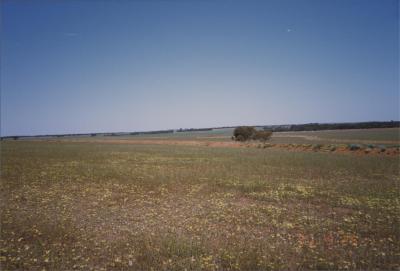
{"x":70,"y":34}
{"x":289,"y":30}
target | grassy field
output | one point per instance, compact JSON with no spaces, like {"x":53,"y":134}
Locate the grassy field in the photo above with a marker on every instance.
{"x":96,"y":206}
{"x":385,"y":136}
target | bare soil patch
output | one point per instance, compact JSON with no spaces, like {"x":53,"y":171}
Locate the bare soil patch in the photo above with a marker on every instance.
{"x":392,"y":151}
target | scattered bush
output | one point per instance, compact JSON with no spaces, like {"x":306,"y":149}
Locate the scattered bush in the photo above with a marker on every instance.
{"x":267,"y":145}
{"x":382,"y":148}
{"x":353,"y":147}
{"x":317,"y":147}
{"x":262,"y":135}
{"x":244,"y":133}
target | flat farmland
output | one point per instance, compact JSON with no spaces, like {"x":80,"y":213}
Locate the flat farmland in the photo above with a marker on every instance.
{"x":88,"y":205}
{"x":382,"y":136}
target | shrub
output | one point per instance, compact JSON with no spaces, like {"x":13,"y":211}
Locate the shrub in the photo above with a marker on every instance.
{"x":368,"y":150}
{"x":382,"y":148}
{"x":353,"y":147}
{"x":243,"y":133}
{"x":317,"y":147}
{"x":262,"y":135}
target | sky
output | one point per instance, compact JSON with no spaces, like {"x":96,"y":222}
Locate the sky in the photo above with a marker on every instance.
{"x":81,"y":66}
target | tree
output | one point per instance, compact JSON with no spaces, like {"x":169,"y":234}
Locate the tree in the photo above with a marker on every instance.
{"x":244,"y":133}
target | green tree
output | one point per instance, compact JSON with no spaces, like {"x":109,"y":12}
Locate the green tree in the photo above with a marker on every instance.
{"x":244,"y":133}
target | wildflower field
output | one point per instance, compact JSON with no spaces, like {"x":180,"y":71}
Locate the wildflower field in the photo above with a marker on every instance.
{"x":96,"y":206}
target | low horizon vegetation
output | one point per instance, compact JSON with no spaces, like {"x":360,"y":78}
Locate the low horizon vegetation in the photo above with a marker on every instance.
{"x":273,"y":128}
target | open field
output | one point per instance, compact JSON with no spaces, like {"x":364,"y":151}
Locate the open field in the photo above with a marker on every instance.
{"x":362,"y":141}
{"x":95,"y":206}
{"x":385,"y":136}
{"x":382,"y":136}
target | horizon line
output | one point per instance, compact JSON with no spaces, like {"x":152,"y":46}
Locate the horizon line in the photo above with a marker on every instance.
{"x":176,"y":129}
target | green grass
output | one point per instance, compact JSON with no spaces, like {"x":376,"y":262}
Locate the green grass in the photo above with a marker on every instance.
{"x":389,"y":134}
{"x":384,"y":136}
{"x":122,"y":206}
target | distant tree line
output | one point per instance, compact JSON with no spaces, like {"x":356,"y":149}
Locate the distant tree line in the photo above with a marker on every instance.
{"x":87,"y":134}
{"x":334,"y":126}
{"x":194,"y":129}
{"x":152,"y":132}
{"x":273,"y":128}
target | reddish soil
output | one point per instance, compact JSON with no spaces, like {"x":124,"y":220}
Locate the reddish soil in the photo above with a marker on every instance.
{"x":394,"y":151}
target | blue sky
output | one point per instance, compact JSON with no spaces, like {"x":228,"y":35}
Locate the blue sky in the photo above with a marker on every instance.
{"x":102,"y":66}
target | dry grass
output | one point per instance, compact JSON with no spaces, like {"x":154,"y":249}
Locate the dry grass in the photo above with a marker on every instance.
{"x":141,"y":207}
